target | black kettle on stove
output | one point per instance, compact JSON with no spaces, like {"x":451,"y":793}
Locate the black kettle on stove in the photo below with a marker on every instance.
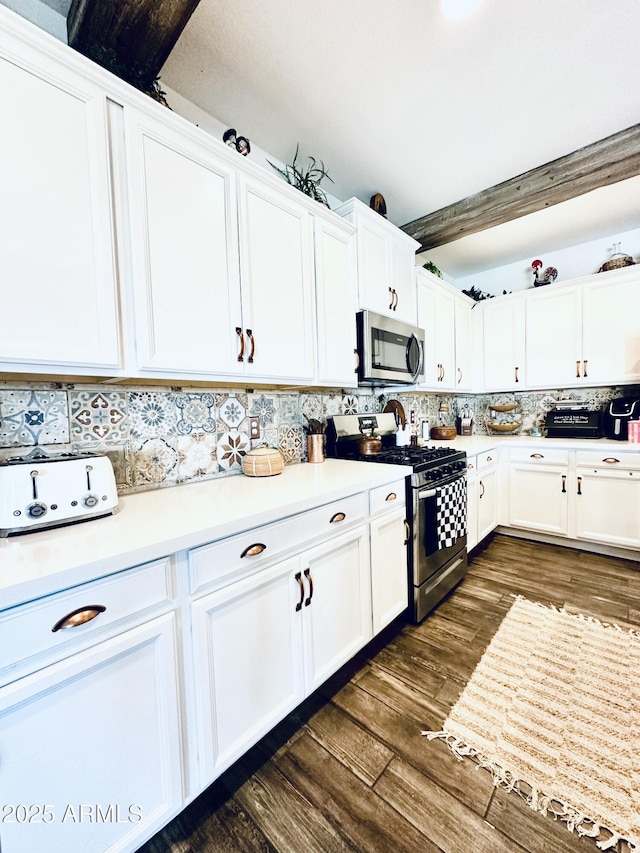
{"x":616,"y":417}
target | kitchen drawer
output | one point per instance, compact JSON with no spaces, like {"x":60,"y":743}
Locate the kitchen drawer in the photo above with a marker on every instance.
{"x":539,"y":455}
{"x":386,"y":498}
{"x":223,"y":561}
{"x":28,"y":630}
{"x":607,"y":459}
{"x":486,"y":460}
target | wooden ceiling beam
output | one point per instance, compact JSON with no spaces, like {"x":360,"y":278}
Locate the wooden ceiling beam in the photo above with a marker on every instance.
{"x":131,"y":38}
{"x":608,"y":161}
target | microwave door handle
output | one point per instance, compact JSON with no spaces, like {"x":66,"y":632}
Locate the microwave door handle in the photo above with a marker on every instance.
{"x":418,"y":369}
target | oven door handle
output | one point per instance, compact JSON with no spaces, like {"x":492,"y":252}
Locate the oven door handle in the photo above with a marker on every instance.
{"x":418,"y":369}
{"x":428,"y":493}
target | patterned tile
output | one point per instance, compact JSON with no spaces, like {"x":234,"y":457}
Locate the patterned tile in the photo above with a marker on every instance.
{"x":232,"y":411}
{"x":122,"y":461}
{"x":195,"y":413}
{"x":152,"y":413}
{"x":289,"y":406}
{"x":231,"y":447}
{"x":263,"y":407}
{"x":291,"y":443}
{"x":350,"y":404}
{"x":98,"y":416}
{"x":31,"y":416}
{"x":197,"y":456}
{"x":311,"y":405}
{"x":155,"y":461}
{"x":332,"y":404}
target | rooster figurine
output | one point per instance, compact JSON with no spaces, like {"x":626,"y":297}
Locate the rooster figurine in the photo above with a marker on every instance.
{"x":546,"y":277}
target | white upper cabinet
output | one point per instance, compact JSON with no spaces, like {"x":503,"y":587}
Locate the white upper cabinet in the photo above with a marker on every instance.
{"x":586,"y":332}
{"x":554,"y":336}
{"x":59,"y":295}
{"x":386,"y":262}
{"x":436,"y":315}
{"x":465,"y":341}
{"x":336,"y":302}
{"x":184,"y":249}
{"x":611,"y":327}
{"x":276,"y":265}
{"x":503,"y":343}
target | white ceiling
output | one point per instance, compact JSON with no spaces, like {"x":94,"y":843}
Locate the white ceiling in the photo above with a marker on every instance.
{"x":395,"y":99}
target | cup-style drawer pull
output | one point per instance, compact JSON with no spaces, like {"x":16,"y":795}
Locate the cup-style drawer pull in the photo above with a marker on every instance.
{"x":339,"y":516}
{"x":391,"y":496}
{"x":253,"y":550}
{"x":610,"y":460}
{"x":470,"y":465}
{"x":79,"y":616}
{"x":489,"y":459}
{"x":537,"y":456}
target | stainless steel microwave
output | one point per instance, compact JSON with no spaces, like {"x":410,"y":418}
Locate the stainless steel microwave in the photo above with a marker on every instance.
{"x":389,"y":351}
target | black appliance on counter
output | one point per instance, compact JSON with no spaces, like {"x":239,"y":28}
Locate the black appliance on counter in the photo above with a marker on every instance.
{"x":436,"y":494}
{"x":616,"y":416}
{"x":573,"y":420}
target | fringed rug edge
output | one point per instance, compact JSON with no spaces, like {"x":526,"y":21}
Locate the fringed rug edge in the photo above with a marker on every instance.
{"x":574,"y":820}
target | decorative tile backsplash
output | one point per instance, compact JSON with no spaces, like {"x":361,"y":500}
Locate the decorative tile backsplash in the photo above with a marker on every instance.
{"x":159,"y":437}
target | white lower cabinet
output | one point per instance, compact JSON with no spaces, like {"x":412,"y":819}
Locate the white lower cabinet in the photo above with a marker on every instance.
{"x":90,"y":755}
{"x":487,"y":497}
{"x":607,"y":505}
{"x":472,"y":503}
{"x":262,"y":644}
{"x":388,"y":530}
{"x":538,"y":491}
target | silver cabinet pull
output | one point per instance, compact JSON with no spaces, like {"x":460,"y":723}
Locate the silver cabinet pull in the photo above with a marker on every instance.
{"x":79,"y":616}
{"x":253,"y":550}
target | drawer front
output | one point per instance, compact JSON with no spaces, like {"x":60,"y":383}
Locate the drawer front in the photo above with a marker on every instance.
{"x":486,"y":460}
{"x":386,"y":498}
{"x":223,"y":561}
{"x":28,"y":630}
{"x":607,"y":459}
{"x":539,"y":455}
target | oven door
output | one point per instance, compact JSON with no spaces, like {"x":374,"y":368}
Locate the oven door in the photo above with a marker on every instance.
{"x":440,"y":525}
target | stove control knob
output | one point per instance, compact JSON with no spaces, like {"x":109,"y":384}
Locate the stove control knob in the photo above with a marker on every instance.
{"x":90,"y":500}
{"x":36,"y":509}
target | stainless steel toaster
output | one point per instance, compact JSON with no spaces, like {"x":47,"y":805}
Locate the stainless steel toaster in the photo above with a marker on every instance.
{"x":41,"y":490}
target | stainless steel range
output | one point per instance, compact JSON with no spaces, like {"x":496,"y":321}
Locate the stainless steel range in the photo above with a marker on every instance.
{"x":436,"y":494}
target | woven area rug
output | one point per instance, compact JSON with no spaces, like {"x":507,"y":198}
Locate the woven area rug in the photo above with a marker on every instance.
{"x":553,"y":712}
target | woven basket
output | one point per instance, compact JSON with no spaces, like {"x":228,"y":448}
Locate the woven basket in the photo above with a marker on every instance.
{"x":263,"y":462}
{"x":617,"y":263}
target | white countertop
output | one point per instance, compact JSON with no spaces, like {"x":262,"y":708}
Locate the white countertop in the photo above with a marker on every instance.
{"x":473,"y":444}
{"x":153,"y":524}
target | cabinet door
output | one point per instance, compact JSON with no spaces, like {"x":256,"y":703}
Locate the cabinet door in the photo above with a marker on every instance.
{"x":247,"y":647}
{"x":402,"y":262}
{"x":94,"y":743}
{"x":389,"y":580}
{"x":608,"y":506}
{"x":611,"y":328}
{"x":463,"y":344}
{"x":538,"y":498}
{"x":436,"y":317}
{"x":472,"y":509}
{"x":487,"y":503}
{"x":276,"y":262}
{"x":336,"y":303}
{"x":337,"y":614}
{"x":503,"y":343}
{"x":59,"y":295}
{"x":554,"y":337}
{"x":375,"y":287}
{"x":185,"y":253}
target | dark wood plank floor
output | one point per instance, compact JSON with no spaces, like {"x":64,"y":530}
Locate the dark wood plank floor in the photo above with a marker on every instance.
{"x":350,"y":771}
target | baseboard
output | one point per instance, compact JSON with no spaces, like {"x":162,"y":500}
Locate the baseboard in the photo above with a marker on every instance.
{"x":578,"y":544}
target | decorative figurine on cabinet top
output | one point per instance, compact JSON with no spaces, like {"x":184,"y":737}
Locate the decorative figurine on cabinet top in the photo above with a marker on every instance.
{"x":240,"y":143}
{"x":546,"y":277}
